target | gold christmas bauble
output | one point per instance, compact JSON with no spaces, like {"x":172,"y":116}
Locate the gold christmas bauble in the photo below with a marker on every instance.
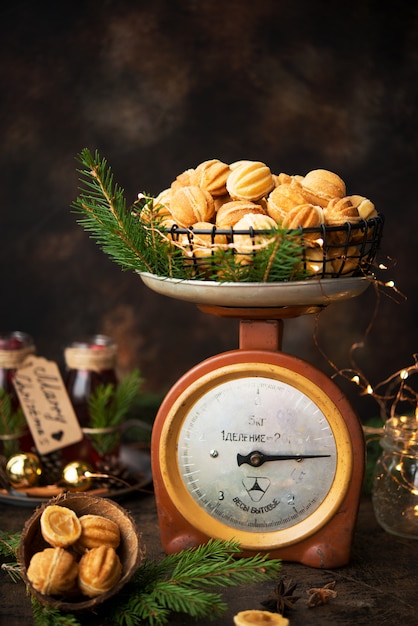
{"x":23,"y":470}
{"x":77,"y":476}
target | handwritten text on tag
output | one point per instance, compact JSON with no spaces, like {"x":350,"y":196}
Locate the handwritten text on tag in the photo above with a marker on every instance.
{"x":46,"y":405}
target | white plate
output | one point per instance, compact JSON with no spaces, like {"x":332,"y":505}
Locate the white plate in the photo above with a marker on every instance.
{"x":306,"y":292}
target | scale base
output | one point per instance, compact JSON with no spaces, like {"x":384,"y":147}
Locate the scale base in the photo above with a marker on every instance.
{"x":330,"y":548}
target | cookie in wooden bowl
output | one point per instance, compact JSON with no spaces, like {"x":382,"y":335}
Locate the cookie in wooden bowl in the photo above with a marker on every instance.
{"x":40,"y":566}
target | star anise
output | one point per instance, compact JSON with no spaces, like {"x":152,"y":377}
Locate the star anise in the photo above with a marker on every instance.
{"x":321,"y":595}
{"x":283,"y":597}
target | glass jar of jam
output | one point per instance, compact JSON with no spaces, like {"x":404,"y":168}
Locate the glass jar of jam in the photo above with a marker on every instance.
{"x":89,"y":363}
{"x":14,"y":433}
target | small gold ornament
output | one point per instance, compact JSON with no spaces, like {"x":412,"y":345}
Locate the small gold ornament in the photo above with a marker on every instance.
{"x":23,"y":470}
{"x":77,"y":476}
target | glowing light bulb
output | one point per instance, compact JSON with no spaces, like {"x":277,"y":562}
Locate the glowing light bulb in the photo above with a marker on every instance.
{"x":369,"y":390}
{"x":390,"y":283}
{"x":356,"y":379}
{"x":404,"y":374}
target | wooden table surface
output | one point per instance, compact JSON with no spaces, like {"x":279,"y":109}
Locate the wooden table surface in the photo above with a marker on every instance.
{"x":379,"y":587}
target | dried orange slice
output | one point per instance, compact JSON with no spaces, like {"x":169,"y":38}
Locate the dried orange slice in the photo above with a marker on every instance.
{"x":60,"y":526}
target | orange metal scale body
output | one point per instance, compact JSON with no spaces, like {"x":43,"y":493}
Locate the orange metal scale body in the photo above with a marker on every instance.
{"x":328,"y":543}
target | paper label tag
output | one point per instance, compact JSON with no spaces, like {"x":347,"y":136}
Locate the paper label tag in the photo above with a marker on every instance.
{"x":46,"y":405}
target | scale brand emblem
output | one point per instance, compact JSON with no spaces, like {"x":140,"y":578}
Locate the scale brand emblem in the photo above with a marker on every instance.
{"x":256,"y":487}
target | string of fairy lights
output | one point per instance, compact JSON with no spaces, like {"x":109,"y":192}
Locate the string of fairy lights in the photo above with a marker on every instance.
{"x":395,"y":394}
{"x":397,"y":398}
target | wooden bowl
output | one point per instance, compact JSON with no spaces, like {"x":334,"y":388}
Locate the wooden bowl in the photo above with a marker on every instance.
{"x":130,"y":550}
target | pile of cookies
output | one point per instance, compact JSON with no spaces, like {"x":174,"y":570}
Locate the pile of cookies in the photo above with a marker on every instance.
{"x":82,"y":557}
{"x":216,"y":200}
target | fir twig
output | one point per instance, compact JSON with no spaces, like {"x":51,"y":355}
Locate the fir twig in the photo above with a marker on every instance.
{"x":104,"y":211}
{"x":9,"y":544}
{"x":136,"y":240}
{"x":12,"y":422}
{"x":184,"y":583}
{"x":13,"y":570}
{"x":120,"y":232}
{"x":108,"y":407}
{"x":50,"y":616}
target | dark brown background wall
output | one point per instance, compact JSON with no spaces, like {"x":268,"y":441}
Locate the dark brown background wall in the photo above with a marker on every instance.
{"x":158,"y":87}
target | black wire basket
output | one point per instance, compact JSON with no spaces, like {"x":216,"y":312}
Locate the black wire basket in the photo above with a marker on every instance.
{"x":342,"y":250}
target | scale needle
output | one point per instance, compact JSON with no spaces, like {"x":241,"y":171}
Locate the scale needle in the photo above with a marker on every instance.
{"x":257,"y":458}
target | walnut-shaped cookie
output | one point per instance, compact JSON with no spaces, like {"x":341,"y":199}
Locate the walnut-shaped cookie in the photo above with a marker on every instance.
{"x":97,"y":530}
{"x":53,"y":572}
{"x":98,"y":571}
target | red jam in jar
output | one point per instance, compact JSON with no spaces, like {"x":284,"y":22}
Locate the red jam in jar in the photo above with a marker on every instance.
{"x":89,"y":363}
{"x":14,"y":348}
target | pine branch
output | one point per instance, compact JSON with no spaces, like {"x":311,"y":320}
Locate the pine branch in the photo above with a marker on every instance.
{"x":125,"y":393}
{"x":278,"y":261}
{"x":9,"y":544}
{"x":109,"y":404}
{"x":50,"y":616}
{"x":11,"y":421}
{"x":225,"y":572}
{"x":139,"y":609}
{"x":182,"y":583}
{"x":108,"y":407}
{"x":135,"y":239}
{"x":181,"y":599}
{"x":13,"y":570}
{"x":99,"y":405}
{"x":105,"y":215}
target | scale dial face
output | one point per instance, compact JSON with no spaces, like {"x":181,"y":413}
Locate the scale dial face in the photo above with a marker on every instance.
{"x":255,"y":452}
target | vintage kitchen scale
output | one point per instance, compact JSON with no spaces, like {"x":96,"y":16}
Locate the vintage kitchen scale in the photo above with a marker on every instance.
{"x":257,"y":445}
